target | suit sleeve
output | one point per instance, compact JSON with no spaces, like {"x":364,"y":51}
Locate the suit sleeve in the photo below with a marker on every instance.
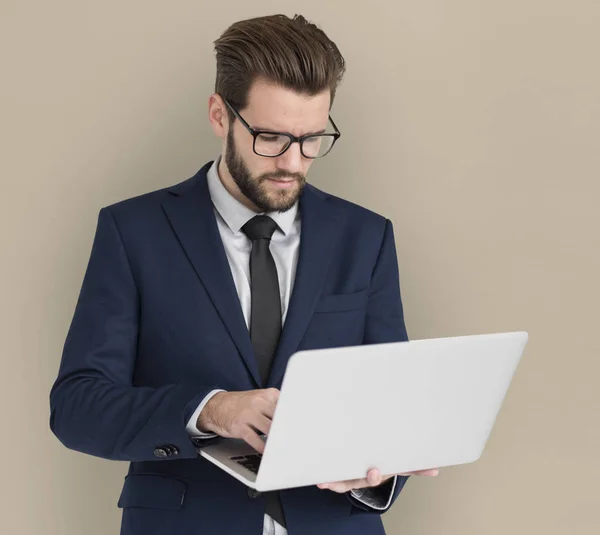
{"x":384,"y":323}
{"x":94,"y":407}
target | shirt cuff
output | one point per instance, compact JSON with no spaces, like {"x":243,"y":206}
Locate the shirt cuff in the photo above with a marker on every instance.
{"x":379,"y":497}
{"x":191,"y":427}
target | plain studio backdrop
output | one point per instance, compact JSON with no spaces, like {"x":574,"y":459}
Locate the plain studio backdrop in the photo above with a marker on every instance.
{"x":474,"y":125}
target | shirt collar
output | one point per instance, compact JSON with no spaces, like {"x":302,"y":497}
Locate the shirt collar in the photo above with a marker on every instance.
{"x":234,"y":213}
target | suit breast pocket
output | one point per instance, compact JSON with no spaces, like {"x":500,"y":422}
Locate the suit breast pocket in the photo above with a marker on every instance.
{"x":342,"y":302}
{"x":338,"y":320}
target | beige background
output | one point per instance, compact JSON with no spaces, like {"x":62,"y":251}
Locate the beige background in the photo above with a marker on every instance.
{"x":474,"y":125}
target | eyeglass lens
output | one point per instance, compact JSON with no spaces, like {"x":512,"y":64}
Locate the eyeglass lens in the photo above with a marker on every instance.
{"x":273,"y":145}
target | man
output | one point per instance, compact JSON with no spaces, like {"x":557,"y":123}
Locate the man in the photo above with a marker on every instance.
{"x":196,"y":295}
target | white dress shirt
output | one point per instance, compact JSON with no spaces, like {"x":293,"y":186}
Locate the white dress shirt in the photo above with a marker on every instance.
{"x":231,"y":216}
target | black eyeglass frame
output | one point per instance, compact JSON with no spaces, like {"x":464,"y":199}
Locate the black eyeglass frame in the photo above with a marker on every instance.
{"x":293,"y":139}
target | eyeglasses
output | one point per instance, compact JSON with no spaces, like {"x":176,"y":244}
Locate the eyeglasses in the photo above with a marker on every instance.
{"x":272,"y":144}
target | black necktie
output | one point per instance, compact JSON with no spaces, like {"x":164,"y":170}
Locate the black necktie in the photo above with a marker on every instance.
{"x":265,"y":318}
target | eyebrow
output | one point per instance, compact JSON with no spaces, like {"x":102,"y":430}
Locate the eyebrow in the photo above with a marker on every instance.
{"x":272,"y":131}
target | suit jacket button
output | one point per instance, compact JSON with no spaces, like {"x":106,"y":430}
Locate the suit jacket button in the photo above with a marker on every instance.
{"x":160,"y":452}
{"x":171,"y":450}
{"x":253,"y":493}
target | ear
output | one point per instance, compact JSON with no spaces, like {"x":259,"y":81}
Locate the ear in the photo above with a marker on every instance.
{"x":217,"y":115}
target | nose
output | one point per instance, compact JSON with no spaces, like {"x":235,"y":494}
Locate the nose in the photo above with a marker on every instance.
{"x":292,"y":160}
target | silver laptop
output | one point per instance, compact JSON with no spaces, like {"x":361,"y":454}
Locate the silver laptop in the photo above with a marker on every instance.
{"x":398,"y":407}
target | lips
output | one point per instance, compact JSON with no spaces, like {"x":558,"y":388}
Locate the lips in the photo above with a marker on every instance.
{"x":282,"y":183}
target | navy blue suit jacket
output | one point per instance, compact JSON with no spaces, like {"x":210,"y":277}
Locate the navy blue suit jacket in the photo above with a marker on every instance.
{"x":158,"y":325}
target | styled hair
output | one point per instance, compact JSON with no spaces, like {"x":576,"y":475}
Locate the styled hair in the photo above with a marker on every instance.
{"x":290,"y":53}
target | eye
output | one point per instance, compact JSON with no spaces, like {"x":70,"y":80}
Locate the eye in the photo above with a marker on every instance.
{"x":313,"y":140}
{"x":269,"y":138}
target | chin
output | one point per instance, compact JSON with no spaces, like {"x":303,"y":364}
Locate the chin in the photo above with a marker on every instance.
{"x":280,"y":202}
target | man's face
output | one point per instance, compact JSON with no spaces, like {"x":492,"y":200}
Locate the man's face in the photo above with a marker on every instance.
{"x":274,"y":184}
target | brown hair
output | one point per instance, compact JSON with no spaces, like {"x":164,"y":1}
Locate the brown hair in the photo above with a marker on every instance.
{"x":291,"y":53}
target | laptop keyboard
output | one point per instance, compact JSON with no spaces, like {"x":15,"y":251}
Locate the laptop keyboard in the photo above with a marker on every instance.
{"x":251,"y":462}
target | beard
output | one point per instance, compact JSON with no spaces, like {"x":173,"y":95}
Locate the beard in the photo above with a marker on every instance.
{"x":254,"y":189}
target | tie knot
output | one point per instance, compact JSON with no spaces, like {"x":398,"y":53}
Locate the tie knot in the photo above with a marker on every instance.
{"x":259,"y":227}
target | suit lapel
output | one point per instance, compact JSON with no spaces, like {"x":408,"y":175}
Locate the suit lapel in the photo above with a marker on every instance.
{"x":190,"y":210}
{"x":319,"y":234}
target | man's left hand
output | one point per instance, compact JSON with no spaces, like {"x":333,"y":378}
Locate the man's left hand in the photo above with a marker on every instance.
{"x":373,"y":479}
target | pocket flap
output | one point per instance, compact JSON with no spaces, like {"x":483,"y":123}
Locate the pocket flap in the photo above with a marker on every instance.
{"x":156,"y":491}
{"x":342,"y":302}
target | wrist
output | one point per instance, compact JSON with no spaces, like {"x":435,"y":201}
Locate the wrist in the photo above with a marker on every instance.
{"x":205,"y":422}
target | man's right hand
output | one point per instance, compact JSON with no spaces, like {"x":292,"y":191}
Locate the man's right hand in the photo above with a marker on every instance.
{"x":240,"y":415}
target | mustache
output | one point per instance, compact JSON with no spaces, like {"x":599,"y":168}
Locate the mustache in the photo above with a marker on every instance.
{"x":282,"y":174}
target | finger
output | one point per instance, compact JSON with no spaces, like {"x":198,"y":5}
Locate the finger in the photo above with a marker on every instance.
{"x":431,"y":472}
{"x":269,"y":402}
{"x":268,"y":411}
{"x":261,"y":423}
{"x":251,"y":438}
{"x":345,"y":486}
{"x":272,"y":394}
{"x":374,"y":477}
{"x":339,"y":486}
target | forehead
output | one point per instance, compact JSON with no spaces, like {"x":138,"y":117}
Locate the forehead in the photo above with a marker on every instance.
{"x":275,"y":108}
